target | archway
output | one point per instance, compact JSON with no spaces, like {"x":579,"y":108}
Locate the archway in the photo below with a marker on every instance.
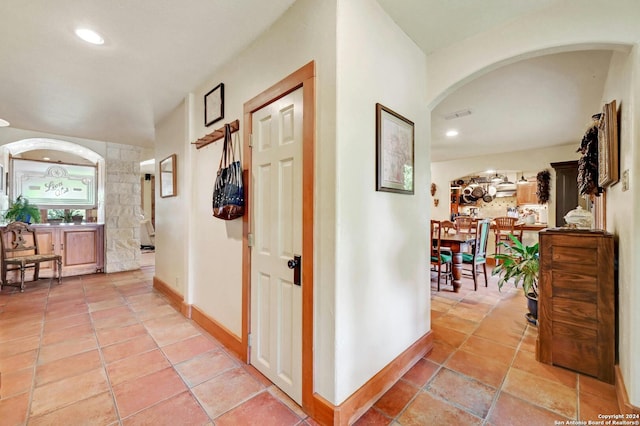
{"x":31,"y":144}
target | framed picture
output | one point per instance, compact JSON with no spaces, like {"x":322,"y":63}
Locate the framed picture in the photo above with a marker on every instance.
{"x":214,"y":105}
{"x":608,"y":167}
{"x":168,"y":177}
{"x":394,"y":151}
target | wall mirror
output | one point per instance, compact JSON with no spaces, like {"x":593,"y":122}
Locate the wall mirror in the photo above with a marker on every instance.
{"x":168,"y":176}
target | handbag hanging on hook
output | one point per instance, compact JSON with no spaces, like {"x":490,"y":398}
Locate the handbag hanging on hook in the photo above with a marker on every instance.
{"x":228,"y":191}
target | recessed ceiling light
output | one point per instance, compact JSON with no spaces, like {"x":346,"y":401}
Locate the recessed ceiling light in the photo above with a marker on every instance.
{"x":452,"y":133}
{"x":4,"y":123}
{"x":46,"y":158}
{"x":89,"y":36}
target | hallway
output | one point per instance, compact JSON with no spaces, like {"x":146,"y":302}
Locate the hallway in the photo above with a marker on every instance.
{"x":109,"y":350}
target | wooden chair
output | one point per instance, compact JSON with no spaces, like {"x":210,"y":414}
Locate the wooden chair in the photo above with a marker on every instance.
{"x":440,"y":256}
{"x":478,"y":256}
{"x":20,"y":251}
{"x":505,"y":226}
{"x":464,"y":224}
{"x":447,"y":225}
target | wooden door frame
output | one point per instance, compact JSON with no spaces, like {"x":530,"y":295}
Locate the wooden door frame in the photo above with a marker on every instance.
{"x":302,"y":78}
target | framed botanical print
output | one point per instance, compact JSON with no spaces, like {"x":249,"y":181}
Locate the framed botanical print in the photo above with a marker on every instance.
{"x":394,"y":151}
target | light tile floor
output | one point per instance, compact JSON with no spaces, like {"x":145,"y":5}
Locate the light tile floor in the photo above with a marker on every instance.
{"x":109,"y":350}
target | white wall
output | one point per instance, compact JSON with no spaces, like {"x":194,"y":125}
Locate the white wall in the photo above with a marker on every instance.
{"x":621,"y":219}
{"x":585,"y":23}
{"x":567,"y":26}
{"x":172,"y":213}
{"x":146,"y":198}
{"x":382,"y":302}
{"x":213,"y":262}
{"x":12,"y":134}
{"x":529,"y":161}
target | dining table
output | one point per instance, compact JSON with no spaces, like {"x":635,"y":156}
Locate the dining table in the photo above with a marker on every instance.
{"x":457,"y":243}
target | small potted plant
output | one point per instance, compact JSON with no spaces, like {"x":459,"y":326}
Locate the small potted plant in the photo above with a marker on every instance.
{"x":21,"y":210}
{"x":55,"y":217}
{"x":76,"y":217}
{"x":522,"y":264}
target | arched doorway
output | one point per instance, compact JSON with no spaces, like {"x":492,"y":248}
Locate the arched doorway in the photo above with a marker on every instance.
{"x":56,"y":151}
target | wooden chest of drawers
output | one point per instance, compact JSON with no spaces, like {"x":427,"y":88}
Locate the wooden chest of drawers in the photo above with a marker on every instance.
{"x":576,"y":306}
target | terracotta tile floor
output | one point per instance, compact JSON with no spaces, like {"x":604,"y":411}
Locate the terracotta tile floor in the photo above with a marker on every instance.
{"x":482,"y":370}
{"x":109,"y":350}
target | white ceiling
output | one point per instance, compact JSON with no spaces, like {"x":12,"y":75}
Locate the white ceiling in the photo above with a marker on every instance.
{"x":535,"y":103}
{"x":156,"y":51}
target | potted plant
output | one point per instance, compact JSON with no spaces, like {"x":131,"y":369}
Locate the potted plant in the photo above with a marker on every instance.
{"x":22,"y":210}
{"x":76,"y":217}
{"x":522,"y":264}
{"x":55,"y":217}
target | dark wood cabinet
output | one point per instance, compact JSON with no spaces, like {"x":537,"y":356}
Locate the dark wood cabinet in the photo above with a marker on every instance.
{"x":576,"y":304}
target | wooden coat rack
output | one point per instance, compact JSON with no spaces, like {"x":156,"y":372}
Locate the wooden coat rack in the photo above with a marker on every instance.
{"x":216,"y":135}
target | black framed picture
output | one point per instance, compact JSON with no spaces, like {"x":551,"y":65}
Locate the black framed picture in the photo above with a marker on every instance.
{"x":214,"y":105}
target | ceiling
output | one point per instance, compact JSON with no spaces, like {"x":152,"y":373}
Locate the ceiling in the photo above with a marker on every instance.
{"x":535,"y":103}
{"x":156,"y":51}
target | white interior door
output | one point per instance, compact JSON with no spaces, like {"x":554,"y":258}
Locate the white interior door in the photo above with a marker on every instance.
{"x":276,"y":301}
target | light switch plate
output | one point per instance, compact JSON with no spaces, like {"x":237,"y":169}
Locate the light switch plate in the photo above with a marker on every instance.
{"x":625,"y":180}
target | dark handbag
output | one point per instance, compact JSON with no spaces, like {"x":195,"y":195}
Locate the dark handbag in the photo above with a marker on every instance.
{"x":228,"y":192}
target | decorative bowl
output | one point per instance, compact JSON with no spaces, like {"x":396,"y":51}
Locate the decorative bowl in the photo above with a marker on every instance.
{"x":579,"y":217}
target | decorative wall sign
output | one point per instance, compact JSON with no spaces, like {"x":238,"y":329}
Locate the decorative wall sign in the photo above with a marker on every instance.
{"x":55,"y":185}
{"x":394,"y":152}
{"x":214,"y":105}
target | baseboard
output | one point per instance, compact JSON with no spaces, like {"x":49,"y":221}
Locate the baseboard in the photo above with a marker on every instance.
{"x":321,"y":410}
{"x":175,"y":299}
{"x":623,"y":398}
{"x":220,"y":332}
{"x":362,"y":399}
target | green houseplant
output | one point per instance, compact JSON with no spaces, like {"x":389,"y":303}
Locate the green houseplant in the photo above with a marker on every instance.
{"x":55,"y":217}
{"x":522,"y":264}
{"x":22,"y":210}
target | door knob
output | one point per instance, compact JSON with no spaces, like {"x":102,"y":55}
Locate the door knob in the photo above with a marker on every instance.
{"x":295,"y":264}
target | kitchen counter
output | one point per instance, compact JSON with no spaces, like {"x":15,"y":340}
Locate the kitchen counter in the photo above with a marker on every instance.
{"x":534,"y":227}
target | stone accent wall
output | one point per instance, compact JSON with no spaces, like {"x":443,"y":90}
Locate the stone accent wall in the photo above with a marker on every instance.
{"x":122,"y":208}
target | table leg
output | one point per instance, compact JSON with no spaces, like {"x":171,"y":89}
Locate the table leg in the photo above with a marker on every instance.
{"x":457,"y":271}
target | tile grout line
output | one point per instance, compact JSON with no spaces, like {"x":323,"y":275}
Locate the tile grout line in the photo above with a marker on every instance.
{"x":35,"y":364}
{"x":442,"y":366}
{"x":499,"y":390}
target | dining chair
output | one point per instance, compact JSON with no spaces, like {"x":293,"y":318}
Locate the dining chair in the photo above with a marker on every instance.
{"x":20,"y":251}
{"x":447,"y":226}
{"x":505,"y":226}
{"x":464,"y":224}
{"x":440,"y":256}
{"x":478,"y":256}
